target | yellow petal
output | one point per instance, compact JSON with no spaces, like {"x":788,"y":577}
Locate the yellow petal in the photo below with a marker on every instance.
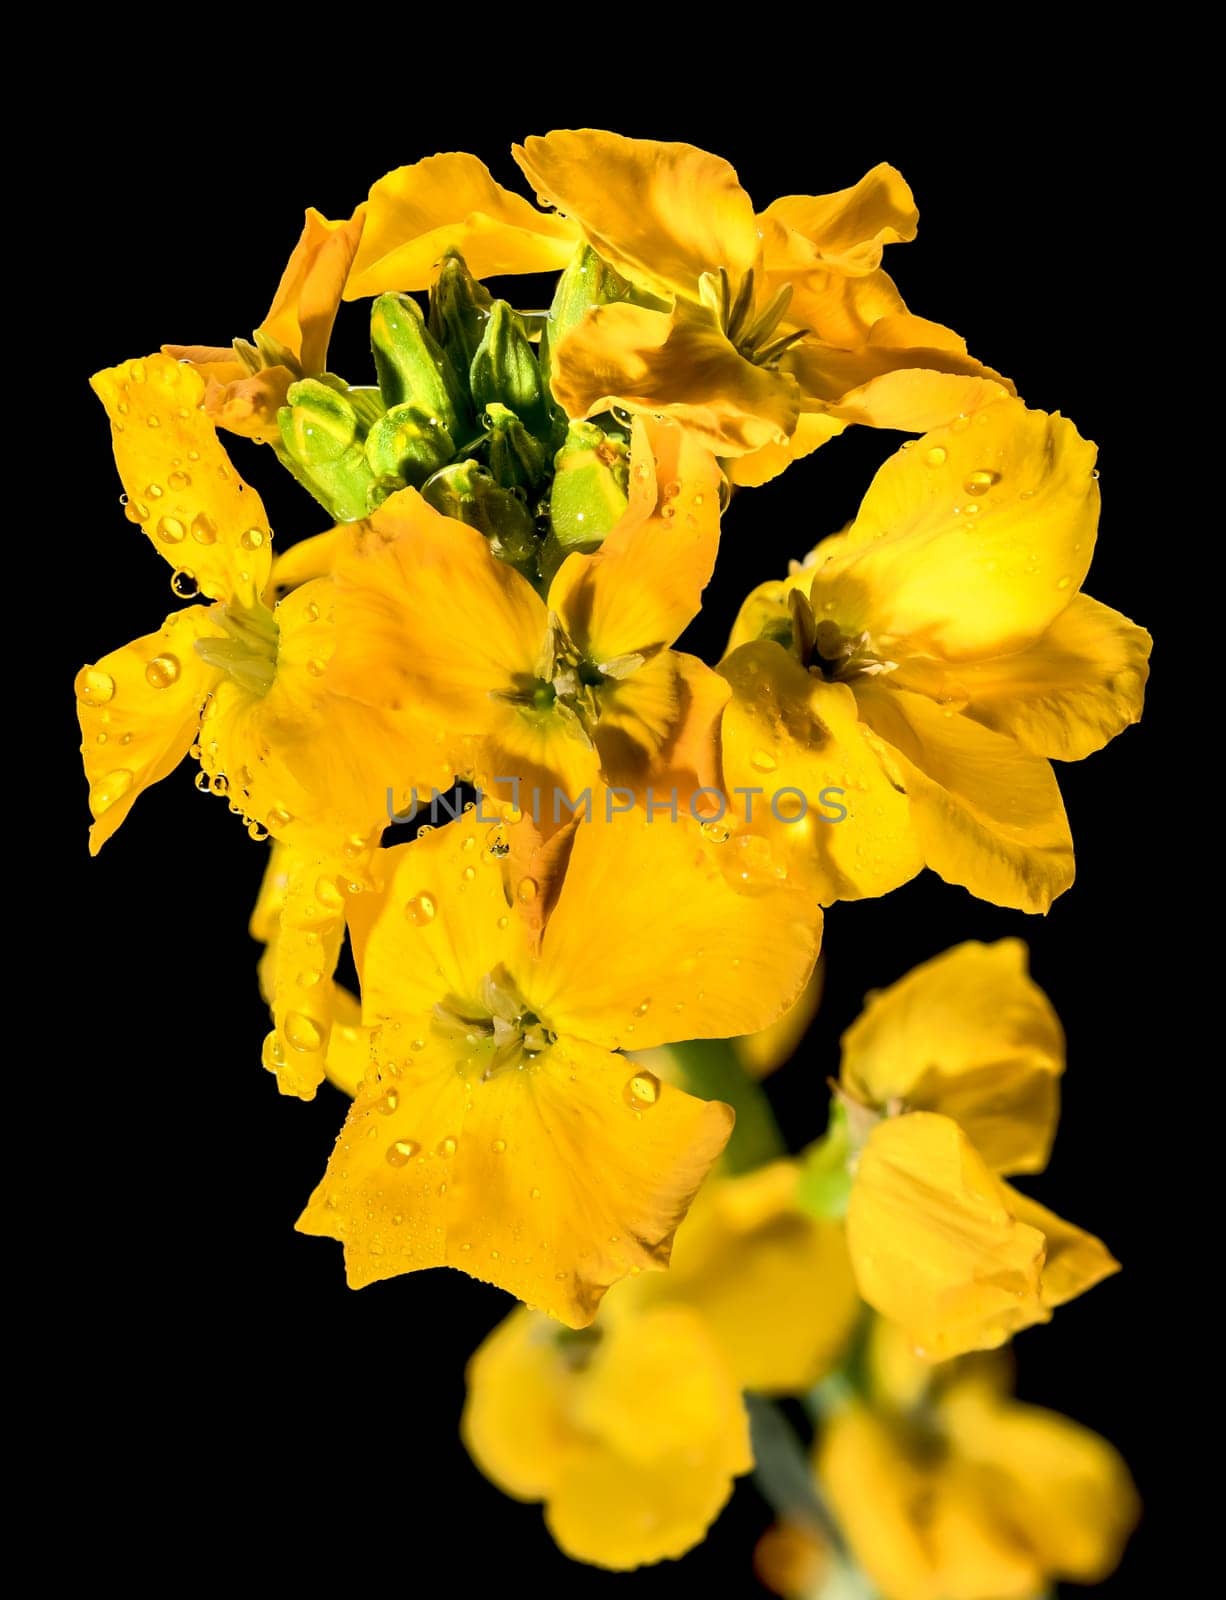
{"x":922,"y":1533}
{"x":474,"y":622}
{"x":310,"y":558}
{"x":139,"y":709}
{"x":986,"y":815}
{"x":304,"y":307}
{"x":813,"y":428}
{"x":450,"y":202}
{"x":665,"y":1434}
{"x":849,"y":229}
{"x":662,"y":213}
{"x":1075,"y":1260}
{"x":773,"y":1284}
{"x":971,"y":542}
{"x":935,"y":1242}
{"x":181,"y":487}
{"x":552,"y":1180}
{"x":645,"y":583}
{"x":786,"y":729}
{"x":1064,"y":696}
{"x":763,"y":1052}
{"x":680,"y":363}
{"x":968,"y":1035}
{"x":521,"y":1387}
{"x":1061,"y":1491}
{"x":302,"y":997}
{"x":615,"y":971}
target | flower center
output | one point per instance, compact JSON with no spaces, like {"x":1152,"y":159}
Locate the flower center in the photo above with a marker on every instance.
{"x":749,"y":330}
{"x":249,"y":652}
{"x":567,"y":683}
{"x":502,"y":1018}
{"x":826,"y":650}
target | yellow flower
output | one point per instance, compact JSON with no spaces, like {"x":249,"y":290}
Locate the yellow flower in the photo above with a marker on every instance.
{"x":497,"y":1130}
{"x":951,"y":1077}
{"x":765,"y":335}
{"x":923,"y":668}
{"x":773,"y":1284}
{"x":762,"y":1053}
{"x":631,"y":1433}
{"x":959,"y":1492}
{"x":238,"y":684}
{"x":557,"y":692}
{"x":245,"y":384}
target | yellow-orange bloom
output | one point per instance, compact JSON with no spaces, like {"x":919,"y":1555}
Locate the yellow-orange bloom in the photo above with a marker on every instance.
{"x":246,"y":383}
{"x":631,"y":1433}
{"x":921,"y":669}
{"x":764,"y":334}
{"x":497,"y":1129}
{"x":952,"y":1075}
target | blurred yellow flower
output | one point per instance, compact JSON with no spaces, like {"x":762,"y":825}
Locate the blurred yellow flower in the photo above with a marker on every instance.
{"x":631,"y":1433}
{"x":949,"y":1077}
{"x":765,"y":335}
{"x":497,"y":1130}
{"x":923,"y":668}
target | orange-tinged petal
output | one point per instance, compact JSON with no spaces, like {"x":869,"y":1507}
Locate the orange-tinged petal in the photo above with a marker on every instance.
{"x":181,"y":487}
{"x":552,"y":762}
{"x":645,"y":583}
{"x":969,"y":1035}
{"x":680,"y":363}
{"x":773,"y":1284}
{"x":551,"y":1179}
{"x":1075,"y":1259}
{"x":850,"y":228}
{"x":428,"y":615}
{"x":311,"y":558}
{"x":666,"y":1432}
{"x":659,"y":729}
{"x":139,"y":709}
{"x":416,"y":214}
{"x":986,"y":815}
{"x":718,"y":963}
{"x":305,"y":305}
{"x":935,"y":1243}
{"x":662,"y":213}
{"x":787,"y":729}
{"x":1064,"y":696}
{"x":521,"y":1387}
{"x":813,"y":428}
{"x":763,"y":1052}
{"x":971,"y":542}
{"x":1060,"y":1490}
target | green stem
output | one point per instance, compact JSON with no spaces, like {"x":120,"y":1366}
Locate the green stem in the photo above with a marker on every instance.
{"x":713,"y":1071}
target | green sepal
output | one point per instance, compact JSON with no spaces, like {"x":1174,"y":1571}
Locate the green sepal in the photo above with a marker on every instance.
{"x":825,"y":1173}
{"x":588,"y":281}
{"x":466,"y":491}
{"x":410,"y":363}
{"x":505,"y":371}
{"x":408,"y":443}
{"x":322,"y":434}
{"x":459,"y":312}
{"x":517,"y":460}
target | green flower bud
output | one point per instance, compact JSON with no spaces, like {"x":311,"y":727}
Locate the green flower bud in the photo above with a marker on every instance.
{"x":321,"y":435}
{"x":590,"y":487}
{"x":588,"y":281}
{"x":410,"y":363}
{"x":459,"y":311}
{"x":505,"y":372}
{"x":467,"y":492}
{"x":517,"y":460}
{"x":408,"y":443}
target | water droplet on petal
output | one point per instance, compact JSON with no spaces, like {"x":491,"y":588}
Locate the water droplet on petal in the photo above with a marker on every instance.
{"x":388,"y":1103}
{"x":162,"y":671}
{"x":204,"y":529}
{"x":303,"y":1032}
{"x":642,"y":1091}
{"x":170,"y":530}
{"x":329,"y":895}
{"x":762,"y":761}
{"x":183,"y":583}
{"x":498,"y":1146}
{"x":94,"y":687}
{"x":1063,"y":583}
{"x":257,"y":831}
{"x":401,"y":1152}
{"x":179,"y":480}
{"x":528,"y":890}
{"x":717,"y":832}
{"x":252,"y":539}
{"x":936,"y":456}
{"x":447,"y":1147}
{"x":421,"y":909}
{"x":113,"y":787}
{"x":980,"y":482}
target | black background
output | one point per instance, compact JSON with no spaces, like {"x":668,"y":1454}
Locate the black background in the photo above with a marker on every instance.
{"x":255,"y":1397}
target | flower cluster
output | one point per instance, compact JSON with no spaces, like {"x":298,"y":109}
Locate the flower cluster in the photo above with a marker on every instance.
{"x":574,"y":974}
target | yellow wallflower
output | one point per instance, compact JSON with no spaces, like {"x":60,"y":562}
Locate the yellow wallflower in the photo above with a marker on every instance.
{"x":954,"y":1489}
{"x":951,"y":1080}
{"x":631,"y":1433}
{"x":497,"y":1129}
{"x":560,"y":691}
{"x":930,"y":661}
{"x":764,"y":334}
{"x":773,"y":1284}
{"x":239,"y":683}
{"x":246,"y":383}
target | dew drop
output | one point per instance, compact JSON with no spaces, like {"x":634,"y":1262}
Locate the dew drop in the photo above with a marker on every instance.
{"x":469,"y":874}
{"x":278,"y":817}
{"x":204,"y":529}
{"x":762,"y":761}
{"x":421,"y":909}
{"x":170,"y":530}
{"x":1063,"y":583}
{"x":257,"y":831}
{"x":642,"y":1091}
{"x":936,"y":457}
{"x":252,"y":539}
{"x":401,"y":1152}
{"x":316,"y":667}
{"x":447,"y":1147}
{"x":179,"y":480}
{"x":328,"y":895}
{"x":528,"y":890}
{"x":717,"y":832}
{"x":162,"y":671}
{"x":183,"y":583}
{"x":498,"y":1146}
{"x":980,"y":482}
{"x":389,"y":1102}
{"x":112,"y":788}
{"x":303,"y":1032}
{"x":94,"y":687}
